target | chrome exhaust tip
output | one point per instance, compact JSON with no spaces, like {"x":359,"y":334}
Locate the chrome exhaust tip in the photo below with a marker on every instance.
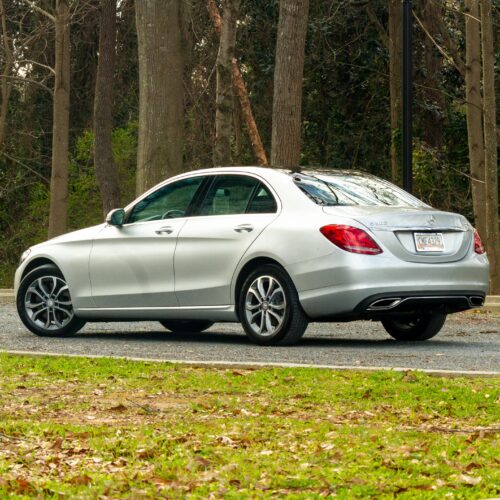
{"x":384,"y":304}
{"x":476,"y":300}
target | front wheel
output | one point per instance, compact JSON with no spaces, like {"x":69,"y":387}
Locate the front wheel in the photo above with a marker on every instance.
{"x":269,"y":307}
{"x":44,"y":303}
{"x":186,"y":325}
{"x":414,"y":328}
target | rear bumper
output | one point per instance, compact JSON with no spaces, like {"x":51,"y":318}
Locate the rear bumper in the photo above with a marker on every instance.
{"x":404,"y":302}
{"x":346,"y":286}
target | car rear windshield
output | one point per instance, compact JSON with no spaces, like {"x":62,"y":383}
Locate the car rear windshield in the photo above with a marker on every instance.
{"x":353,"y":189}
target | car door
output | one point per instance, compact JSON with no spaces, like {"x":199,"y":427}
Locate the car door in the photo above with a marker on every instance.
{"x":234,"y":211}
{"x":131,"y":266}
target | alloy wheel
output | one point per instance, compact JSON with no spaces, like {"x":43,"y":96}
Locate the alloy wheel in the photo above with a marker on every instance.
{"x":265,"y":306}
{"x":47,"y":303}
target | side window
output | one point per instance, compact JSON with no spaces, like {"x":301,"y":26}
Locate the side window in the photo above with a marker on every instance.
{"x":229,"y":194}
{"x":169,"y":202}
{"x":263,"y":202}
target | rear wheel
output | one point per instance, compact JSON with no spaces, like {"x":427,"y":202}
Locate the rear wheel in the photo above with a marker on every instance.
{"x":186,"y":325}
{"x":418,"y":327}
{"x":44,"y":303}
{"x":269,"y":307}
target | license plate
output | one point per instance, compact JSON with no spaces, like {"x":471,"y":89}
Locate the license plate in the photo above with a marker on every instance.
{"x":429,"y":242}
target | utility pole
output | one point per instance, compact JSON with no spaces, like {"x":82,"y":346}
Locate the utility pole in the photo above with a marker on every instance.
{"x":407,"y":96}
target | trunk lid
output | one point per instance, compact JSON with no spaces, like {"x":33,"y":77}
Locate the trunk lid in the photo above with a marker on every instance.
{"x":398,"y":229}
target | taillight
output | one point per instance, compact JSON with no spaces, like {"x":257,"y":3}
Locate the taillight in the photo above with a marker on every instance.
{"x":478,"y":244}
{"x":351,"y":239}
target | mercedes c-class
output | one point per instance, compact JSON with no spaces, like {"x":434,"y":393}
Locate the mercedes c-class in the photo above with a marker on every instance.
{"x":271,"y":249}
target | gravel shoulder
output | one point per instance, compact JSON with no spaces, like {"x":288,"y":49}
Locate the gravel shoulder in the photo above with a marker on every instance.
{"x":469,"y":342}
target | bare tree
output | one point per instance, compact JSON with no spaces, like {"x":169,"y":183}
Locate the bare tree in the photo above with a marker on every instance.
{"x":242,"y":94}
{"x":474,"y":107}
{"x":288,"y":75}
{"x":161,"y":92}
{"x":490,"y":145}
{"x":224,"y":95}
{"x":395,"y":74}
{"x":59,"y":178}
{"x":106,"y":170}
{"x":6,"y":69}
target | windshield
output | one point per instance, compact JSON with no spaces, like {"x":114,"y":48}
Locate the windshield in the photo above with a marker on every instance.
{"x":353,"y":189}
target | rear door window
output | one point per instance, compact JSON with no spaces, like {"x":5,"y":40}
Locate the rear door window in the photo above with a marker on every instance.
{"x":236,"y":194}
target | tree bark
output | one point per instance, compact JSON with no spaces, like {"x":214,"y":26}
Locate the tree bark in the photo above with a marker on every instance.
{"x":60,"y":133}
{"x":490,"y":145}
{"x":395,"y":76}
{"x":288,"y":75}
{"x":242,"y":94}
{"x":224,"y":97}
{"x":161,"y":91}
{"x":434,"y":118}
{"x":6,"y":85}
{"x":105,"y":167}
{"x":474,"y":109}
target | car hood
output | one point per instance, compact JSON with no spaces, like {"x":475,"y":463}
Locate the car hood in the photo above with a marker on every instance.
{"x":88,"y":233}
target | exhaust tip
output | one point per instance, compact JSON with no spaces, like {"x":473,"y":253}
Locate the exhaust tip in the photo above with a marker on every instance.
{"x":476,"y":301}
{"x":384,"y":304}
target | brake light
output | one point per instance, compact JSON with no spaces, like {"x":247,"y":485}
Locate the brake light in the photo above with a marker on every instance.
{"x":351,"y":239}
{"x":478,"y":244}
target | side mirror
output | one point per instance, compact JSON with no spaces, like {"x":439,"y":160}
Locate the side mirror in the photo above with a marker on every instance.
{"x":116,"y":217}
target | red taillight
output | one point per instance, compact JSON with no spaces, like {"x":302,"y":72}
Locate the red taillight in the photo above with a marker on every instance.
{"x":351,"y":239}
{"x":478,"y":244}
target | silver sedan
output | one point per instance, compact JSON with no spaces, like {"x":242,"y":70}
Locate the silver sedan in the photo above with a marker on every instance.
{"x":268,"y":248}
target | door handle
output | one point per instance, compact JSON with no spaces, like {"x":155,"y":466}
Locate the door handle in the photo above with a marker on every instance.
{"x":167,"y":230}
{"x":244,"y":227}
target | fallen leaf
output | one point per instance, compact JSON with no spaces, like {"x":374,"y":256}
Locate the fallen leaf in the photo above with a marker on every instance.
{"x":469,"y":480}
{"x":81,"y":480}
{"x":118,"y":407}
{"x":143,"y":453}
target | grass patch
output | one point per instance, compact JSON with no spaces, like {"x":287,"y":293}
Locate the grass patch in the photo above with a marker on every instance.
{"x":110,"y":428}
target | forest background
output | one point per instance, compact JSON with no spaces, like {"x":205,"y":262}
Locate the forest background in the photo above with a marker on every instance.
{"x":101,"y":99}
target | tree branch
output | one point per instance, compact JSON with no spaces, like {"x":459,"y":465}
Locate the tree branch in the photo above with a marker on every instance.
{"x":15,"y":160}
{"x":29,"y":61}
{"x":381,"y":30}
{"x":459,"y":65}
{"x":40,"y":10}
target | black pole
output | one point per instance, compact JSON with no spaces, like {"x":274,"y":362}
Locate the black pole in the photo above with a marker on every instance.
{"x":407,"y":96}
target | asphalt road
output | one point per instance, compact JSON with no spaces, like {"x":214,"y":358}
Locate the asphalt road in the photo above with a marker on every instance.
{"x":469,"y":342}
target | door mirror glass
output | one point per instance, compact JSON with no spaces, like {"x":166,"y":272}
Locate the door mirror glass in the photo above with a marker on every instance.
{"x":116,"y":217}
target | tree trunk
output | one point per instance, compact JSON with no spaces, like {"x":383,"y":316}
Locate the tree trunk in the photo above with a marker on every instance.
{"x":475,"y":113}
{"x":490,"y":146}
{"x":242,"y":94}
{"x":288,"y":75}
{"x":161,"y":91}
{"x":60,"y":133}
{"x":434,"y":117}
{"x":395,"y":75}
{"x":105,"y":167}
{"x":6,"y":85}
{"x":224,"y":99}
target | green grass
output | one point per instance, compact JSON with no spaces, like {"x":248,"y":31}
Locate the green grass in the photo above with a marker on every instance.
{"x":89,"y":428}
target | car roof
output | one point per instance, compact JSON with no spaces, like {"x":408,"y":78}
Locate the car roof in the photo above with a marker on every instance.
{"x":266,"y":170}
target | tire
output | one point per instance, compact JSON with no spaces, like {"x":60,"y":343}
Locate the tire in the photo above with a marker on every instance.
{"x":269,"y":307}
{"x":186,"y":325}
{"x":44,"y":303}
{"x":414,"y":328}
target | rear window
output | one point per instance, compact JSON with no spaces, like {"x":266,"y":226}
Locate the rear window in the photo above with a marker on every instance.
{"x":345,"y":189}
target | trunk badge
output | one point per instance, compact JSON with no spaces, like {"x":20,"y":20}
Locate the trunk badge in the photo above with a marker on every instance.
{"x":431,"y":220}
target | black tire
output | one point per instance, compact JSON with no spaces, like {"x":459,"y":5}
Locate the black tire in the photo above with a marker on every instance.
{"x":280,"y":296}
{"x":186,"y":325}
{"x":44,"y":303}
{"x":414,"y":328}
